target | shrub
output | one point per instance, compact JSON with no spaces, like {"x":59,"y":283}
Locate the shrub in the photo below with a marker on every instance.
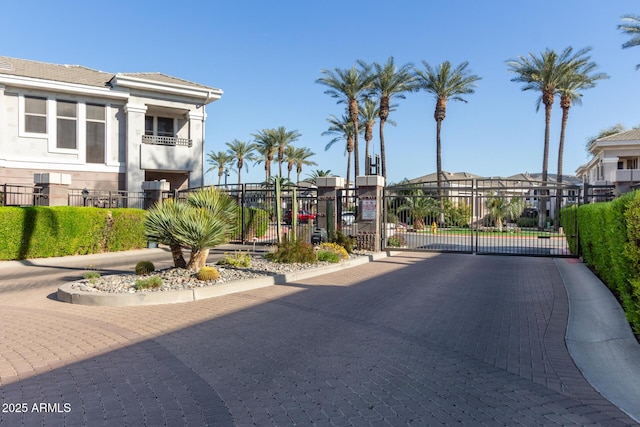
{"x":236,"y":259}
{"x":148,"y":283}
{"x":347,"y":242}
{"x":328,"y":256}
{"x":525,"y":222}
{"x":396,"y":241}
{"x":207,"y":273}
{"x":334,"y":248}
{"x":144,"y":267}
{"x":91,"y":276}
{"x":48,"y":231}
{"x":291,"y":252}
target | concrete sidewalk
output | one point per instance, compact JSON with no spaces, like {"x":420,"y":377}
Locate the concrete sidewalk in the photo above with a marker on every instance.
{"x":600,"y":339}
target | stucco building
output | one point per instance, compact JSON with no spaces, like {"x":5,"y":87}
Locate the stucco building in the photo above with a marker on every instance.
{"x":106,"y":131}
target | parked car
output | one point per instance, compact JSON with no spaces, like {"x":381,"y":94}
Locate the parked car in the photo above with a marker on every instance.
{"x":303,"y":216}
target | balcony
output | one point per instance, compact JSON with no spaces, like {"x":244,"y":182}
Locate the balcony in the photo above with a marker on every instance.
{"x":627,"y":175}
{"x":165,"y":153}
{"x":166,"y":140}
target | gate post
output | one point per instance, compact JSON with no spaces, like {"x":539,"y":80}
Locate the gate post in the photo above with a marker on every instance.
{"x":55,"y":188}
{"x":328,"y":187}
{"x":153,"y":192}
{"x":370,"y":189}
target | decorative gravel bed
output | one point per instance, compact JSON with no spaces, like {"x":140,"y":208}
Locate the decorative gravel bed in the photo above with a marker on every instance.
{"x":174,"y":279}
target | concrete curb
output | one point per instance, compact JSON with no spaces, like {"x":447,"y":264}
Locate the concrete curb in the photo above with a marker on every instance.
{"x":74,"y":296}
{"x":599,"y":338}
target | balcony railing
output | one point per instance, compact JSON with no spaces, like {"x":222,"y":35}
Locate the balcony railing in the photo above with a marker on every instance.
{"x":166,"y":140}
{"x":627,"y":175}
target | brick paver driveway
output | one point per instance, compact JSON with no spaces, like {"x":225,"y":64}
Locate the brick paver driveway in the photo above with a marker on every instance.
{"x":420,"y":339}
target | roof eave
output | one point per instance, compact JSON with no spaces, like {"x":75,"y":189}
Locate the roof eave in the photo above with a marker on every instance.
{"x":208,"y":95}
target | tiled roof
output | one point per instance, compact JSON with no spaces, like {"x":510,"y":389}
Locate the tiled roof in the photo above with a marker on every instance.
{"x":78,"y":74}
{"x":630,"y":135}
{"x":59,"y":73}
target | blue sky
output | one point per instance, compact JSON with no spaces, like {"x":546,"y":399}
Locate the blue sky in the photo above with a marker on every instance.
{"x":266,"y":56}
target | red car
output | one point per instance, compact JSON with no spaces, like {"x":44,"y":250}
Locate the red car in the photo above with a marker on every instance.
{"x":303,"y":216}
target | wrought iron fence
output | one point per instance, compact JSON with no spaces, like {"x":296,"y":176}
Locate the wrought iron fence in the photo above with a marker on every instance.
{"x":22,"y":195}
{"x":107,"y":199}
{"x":484,"y":216}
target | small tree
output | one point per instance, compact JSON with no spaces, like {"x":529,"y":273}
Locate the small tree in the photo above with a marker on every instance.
{"x":419,"y":207}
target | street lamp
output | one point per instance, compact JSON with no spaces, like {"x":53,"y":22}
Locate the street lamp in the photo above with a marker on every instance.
{"x":85,"y":194}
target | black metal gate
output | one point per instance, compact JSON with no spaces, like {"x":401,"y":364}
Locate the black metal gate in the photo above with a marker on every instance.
{"x":482,"y":216}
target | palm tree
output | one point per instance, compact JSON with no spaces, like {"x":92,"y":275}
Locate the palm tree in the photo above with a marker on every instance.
{"x":444,"y":83}
{"x":419,"y":206}
{"x":389,"y":82}
{"x":219,"y":160}
{"x":543,"y":74}
{"x":301,"y":158}
{"x":317,"y":174}
{"x":283,"y":138}
{"x":343,"y":128}
{"x":631,"y":27}
{"x":501,"y":208}
{"x":348,"y":85}
{"x":241,"y":151}
{"x":579,"y":76}
{"x":266,"y":147}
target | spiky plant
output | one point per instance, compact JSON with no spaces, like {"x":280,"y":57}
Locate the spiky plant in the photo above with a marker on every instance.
{"x":159,"y":225}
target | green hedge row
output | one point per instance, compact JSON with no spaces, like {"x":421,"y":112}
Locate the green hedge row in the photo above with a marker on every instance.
{"x":40,"y":232}
{"x":609,"y":235}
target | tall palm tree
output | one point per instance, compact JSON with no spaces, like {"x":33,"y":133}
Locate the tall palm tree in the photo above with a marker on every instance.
{"x":344,"y":129}
{"x":631,"y":27}
{"x":219,"y":161}
{"x":266,"y":148}
{"x":348,"y":85}
{"x":579,"y":76}
{"x":389,"y":82}
{"x":241,"y":151}
{"x":544,"y":74}
{"x":369,"y":113}
{"x":283,"y":138}
{"x":302,"y":159}
{"x":444,"y":83}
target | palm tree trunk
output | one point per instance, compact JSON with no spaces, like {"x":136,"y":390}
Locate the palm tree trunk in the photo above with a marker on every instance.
{"x":548,"y":104}
{"x":198,"y":259}
{"x":383,"y":158}
{"x":439,"y":171}
{"x":353,"y":114}
{"x":565,"y":116}
{"x":348,"y":167}
{"x":178,"y":258}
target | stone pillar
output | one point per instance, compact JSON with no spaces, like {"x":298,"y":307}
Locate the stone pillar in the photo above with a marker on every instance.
{"x":135,"y":129}
{"x":370,"y":203}
{"x":153,"y":192}
{"x":196,"y":134}
{"x":328,"y":201}
{"x":55,"y":188}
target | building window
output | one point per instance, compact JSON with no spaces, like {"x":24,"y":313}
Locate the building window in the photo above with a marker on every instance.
{"x":620,"y":165}
{"x":159,"y":126}
{"x":632,"y":163}
{"x":96,"y":126}
{"x":35,"y":114}
{"x":66,"y":125}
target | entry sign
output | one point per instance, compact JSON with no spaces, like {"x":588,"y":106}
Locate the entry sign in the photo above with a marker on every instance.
{"x":369,"y":208}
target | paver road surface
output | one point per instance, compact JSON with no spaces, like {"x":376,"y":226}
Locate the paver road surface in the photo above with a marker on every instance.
{"x":413,"y":339}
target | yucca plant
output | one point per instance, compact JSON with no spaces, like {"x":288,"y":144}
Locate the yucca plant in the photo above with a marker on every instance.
{"x":205,"y":220}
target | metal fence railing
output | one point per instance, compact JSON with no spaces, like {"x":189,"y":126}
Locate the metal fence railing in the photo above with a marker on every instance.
{"x":107,"y":199}
{"x":22,"y":195}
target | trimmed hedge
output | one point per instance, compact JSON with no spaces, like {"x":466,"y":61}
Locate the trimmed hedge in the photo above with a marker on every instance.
{"x":40,"y":232}
{"x":610,"y":244}
{"x":256,"y":222}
